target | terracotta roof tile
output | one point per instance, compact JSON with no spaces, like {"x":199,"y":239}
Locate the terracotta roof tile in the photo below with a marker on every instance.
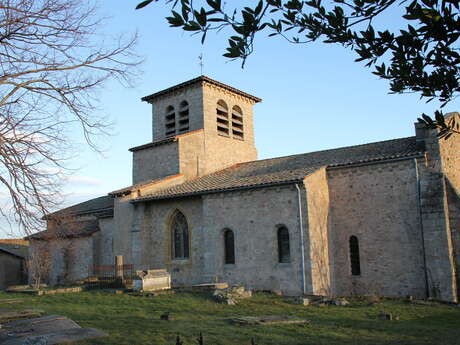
{"x":71,"y":229}
{"x":199,"y":79}
{"x":288,"y":169}
{"x":102,"y":205}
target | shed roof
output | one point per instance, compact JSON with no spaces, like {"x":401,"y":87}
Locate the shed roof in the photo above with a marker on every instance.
{"x":18,"y":247}
{"x":17,"y":253}
{"x":101,"y":206}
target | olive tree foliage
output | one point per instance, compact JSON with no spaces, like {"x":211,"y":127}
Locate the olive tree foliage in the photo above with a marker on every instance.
{"x":52,"y":63}
{"x":421,"y":57}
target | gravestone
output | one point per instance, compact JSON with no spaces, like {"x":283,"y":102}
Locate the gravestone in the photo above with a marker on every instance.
{"x":152,"y":280}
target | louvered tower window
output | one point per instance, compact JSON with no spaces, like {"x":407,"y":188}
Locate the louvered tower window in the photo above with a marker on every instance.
{"x":237,"y":123}
{"x":170,"y":121}
{"x":183,"y":117}
{"x":222,"y":119}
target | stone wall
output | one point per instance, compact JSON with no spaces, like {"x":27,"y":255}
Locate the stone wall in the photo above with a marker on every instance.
{"x":123,"y":219}
{"x":192,"y":158}
{"x":222,"y":151}
{"x":450,"y":155}
{"x":254,"y":217}
{"x":438,"y":243}
{"x":318,"y":222}
{"x":69,"y":259}
{"x":155,"y":240}
{"x":196,"y":152}
{"x":378,"y":204}
{"x":156,"y":162}
{"x":11,"y":270}
{"x":103,"y":240}
{"x":81,"y":254}
{"x":192,"y":94}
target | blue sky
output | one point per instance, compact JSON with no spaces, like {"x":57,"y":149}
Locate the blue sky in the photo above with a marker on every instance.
{"x":315,"y":96}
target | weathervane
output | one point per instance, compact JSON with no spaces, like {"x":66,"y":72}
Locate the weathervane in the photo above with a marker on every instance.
{"x":200,"y":58}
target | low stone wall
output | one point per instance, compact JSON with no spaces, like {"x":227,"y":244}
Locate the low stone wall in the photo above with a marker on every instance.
{"x":49,"y":292}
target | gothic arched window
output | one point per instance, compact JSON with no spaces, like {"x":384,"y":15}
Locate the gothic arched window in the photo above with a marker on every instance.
{"x":180,"y":236}
{"x":170,"y":121}
{"x":229,"y":247}
{"x":222,"y":118}
{"x":354,"y":256}
{"x":284,"y":250}
{"x":237,"y":123}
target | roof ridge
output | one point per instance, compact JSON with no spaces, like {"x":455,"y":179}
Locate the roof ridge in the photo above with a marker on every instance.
{"x":201,"y":78}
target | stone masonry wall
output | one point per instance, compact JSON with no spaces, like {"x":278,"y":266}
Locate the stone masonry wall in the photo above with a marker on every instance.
{"x":192,"y":154}
{"x":221,"y":151}
{"x":155,"y":239}
{"x":378,"y":204}
{"x":103,"y":252}
{"x":156,"y":162}
{"x":11,"y":270}
{"x":254,"y":217}
{"x":192,"y":94}
{"x":123,"y":219}
{"x":69,"y":259}
{"x":450,"y":155}
{"x":439,"y":246}
{"x":318,"y":221}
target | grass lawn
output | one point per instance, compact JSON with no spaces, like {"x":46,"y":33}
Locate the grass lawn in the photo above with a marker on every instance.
{"x":133,"y":320}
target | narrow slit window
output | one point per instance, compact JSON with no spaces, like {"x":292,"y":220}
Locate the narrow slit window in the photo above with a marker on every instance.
{"x":229,"y":247}
{"x":354,"y":256}
{"x":237,"y":123}
{"x":170,"y":121}
{"x":284,"y":250}
{"x":222,"y":119}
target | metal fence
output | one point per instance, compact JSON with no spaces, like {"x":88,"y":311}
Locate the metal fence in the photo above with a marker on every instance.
{"x":110,"y":276}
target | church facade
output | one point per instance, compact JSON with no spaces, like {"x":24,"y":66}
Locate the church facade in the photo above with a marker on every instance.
{"x":375,"y":219}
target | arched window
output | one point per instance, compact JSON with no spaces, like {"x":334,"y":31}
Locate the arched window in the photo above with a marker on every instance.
{"x":284,"y":250}
{"x":222,"y":119}
{"x":170,"y":121}
{"x":183,"y":117}
{"x":354,"y":256}
{"x":180,"y":236}
{"x":229,"y":246}
{"x":237,"y":123}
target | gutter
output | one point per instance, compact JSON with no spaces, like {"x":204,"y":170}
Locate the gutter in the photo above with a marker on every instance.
{"x":214,"y":191}
{"x":304,"y":290}
{"x":382,"y":161}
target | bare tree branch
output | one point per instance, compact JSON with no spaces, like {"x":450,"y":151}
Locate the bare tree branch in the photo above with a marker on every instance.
{"x":51,"y":64}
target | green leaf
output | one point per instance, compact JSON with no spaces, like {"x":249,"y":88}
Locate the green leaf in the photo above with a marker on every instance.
{"x":143,"y":4}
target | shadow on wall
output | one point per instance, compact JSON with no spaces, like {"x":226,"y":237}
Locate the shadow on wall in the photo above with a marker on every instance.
{"x":453,"y":199}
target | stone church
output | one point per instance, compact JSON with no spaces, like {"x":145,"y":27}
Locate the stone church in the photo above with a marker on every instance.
{"x":376,"y":219}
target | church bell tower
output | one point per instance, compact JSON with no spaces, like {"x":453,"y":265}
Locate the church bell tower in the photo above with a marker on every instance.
{"x":198,"y":127}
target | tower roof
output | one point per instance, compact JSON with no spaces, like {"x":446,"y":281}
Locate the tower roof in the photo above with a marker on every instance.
{"x":200,"y":79}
